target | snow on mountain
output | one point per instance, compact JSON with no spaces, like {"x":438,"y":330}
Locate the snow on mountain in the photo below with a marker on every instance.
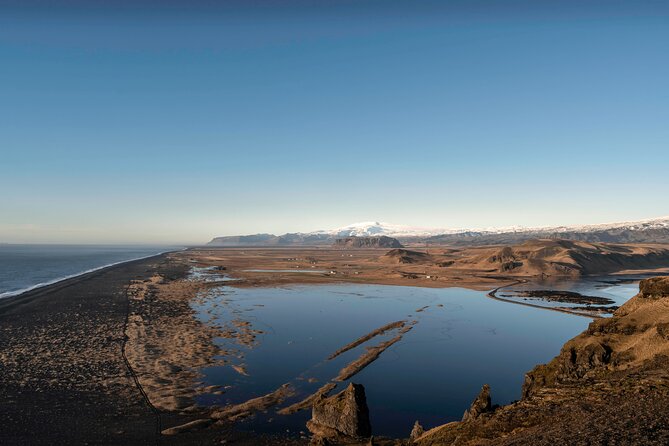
{"x":375,"y":228}
{"x":654,"y":230}
{"x":654,"y":223}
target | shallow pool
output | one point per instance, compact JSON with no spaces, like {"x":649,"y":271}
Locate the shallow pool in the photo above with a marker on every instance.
{"x":461,"y":340}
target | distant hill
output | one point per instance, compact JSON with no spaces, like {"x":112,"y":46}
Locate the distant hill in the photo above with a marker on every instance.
{"x":404,"y":256}
{"x":561,"y":258}
{"x":621,"y":234}
{"x":272,"y":240}
{"x":367,"y":242}
{"x":646,"y":231}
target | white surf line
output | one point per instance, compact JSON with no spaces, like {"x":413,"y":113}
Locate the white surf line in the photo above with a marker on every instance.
{"x":72,"y":276}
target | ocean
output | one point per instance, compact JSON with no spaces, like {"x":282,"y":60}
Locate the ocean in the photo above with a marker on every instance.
{"x":26,"y":267}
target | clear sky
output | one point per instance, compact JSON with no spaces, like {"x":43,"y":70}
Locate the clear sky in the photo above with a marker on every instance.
{"x":162,"y":122}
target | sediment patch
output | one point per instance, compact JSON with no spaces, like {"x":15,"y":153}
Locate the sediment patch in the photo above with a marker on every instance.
{"x":308,"y":401}
{"x":571,"y":297}
{"x":247,"y":408}
{"x":365,"y":359}
{"x":367,"y":337}
{"x":166,"y":344}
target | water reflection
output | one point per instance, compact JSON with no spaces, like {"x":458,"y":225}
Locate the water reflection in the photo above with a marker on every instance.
{"x":461,"y":340}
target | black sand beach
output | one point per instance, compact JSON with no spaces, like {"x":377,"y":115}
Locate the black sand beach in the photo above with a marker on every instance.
{"x":63,"y":377}
{"x":112,"y":357}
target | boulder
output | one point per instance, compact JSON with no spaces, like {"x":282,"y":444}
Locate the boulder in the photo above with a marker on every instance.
{"x":577,"y":362}
{"x":654,"y":287}
{"x":342,"y":416}
{"x":480,"y":405}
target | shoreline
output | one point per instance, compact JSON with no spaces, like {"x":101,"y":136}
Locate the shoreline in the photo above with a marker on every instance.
{"x":38,"y":286}
{"x":62,"y":361}
{"x":72,"y":356}
{"x":109,"y":351}
{"x":493,"y":295}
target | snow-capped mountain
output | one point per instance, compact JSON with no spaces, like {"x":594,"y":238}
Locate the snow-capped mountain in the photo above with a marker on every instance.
{"x":375,"y":228}
{"x":372,"y":228}
{"x":644,"y":231}
{"x":655,"y":223}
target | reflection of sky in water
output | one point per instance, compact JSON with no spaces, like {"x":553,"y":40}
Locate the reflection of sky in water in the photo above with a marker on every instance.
{"x":207,"y":274}
{"x":462,"y":340}
{"x":619,"y":289}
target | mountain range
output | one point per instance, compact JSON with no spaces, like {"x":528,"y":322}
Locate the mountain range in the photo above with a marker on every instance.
{"x":645,"y":231}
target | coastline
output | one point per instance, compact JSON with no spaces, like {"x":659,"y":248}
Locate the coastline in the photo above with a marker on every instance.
{"x":37,"y":286}
{"x":111,"y":356}
{"x":84,"y":383}
{"x":65,"y":352}
{"x":493,"y":295}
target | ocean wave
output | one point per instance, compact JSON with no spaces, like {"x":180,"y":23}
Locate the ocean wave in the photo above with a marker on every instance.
{"x":71,"y":276}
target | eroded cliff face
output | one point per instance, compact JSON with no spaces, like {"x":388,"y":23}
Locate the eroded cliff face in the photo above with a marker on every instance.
{"x":609,"y":385}
{"x":636,"y":334}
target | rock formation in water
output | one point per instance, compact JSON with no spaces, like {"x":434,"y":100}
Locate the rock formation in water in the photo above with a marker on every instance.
{"x":341,"y":417}
{"x":480,"y":405}
{"x":367,"y":242}
{"x":609,"y":385}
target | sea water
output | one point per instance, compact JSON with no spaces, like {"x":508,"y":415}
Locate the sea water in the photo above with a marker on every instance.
{"x":25,"y":267}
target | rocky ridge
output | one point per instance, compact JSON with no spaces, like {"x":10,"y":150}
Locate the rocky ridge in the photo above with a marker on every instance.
{"x":608,"y":385}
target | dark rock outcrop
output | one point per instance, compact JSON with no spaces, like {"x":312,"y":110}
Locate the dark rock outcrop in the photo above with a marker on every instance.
{"x":654,"y":287}
{"x":367,"y":242}
{"x":341,"y":417}
{"x":481,"y":404}
{"x":578,"y":361}
{"x":416,"y":432}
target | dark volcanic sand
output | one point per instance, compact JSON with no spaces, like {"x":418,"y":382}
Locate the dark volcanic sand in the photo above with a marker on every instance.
{"x":63,"y":379}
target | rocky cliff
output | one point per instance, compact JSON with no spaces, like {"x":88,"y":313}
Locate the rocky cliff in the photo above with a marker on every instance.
{"x":609,"y":385}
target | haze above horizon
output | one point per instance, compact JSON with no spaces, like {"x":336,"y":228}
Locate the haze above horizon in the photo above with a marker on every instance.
{"x":174,"y":122}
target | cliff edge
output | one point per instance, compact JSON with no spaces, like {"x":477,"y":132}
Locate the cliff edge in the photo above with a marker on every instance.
{"x":609,"y":385}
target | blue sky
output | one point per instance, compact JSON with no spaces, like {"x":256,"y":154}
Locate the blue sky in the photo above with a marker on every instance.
{"x":158,"y":122}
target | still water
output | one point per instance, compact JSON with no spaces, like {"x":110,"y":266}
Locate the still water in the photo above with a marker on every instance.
{"x":461,"y":341}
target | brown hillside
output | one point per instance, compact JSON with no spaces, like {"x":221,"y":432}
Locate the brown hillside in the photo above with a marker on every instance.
{"x":405,"y":256}
{"x":609,"y":385}
{"x":564,"y":258}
